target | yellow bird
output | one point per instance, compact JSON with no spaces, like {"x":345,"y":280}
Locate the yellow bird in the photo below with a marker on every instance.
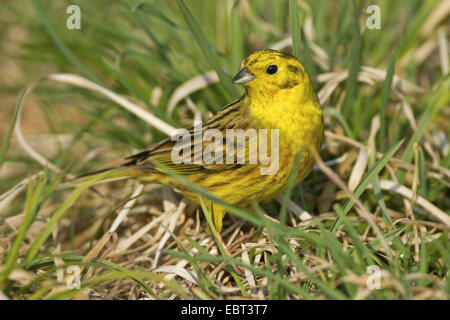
{"x":280,"y":98}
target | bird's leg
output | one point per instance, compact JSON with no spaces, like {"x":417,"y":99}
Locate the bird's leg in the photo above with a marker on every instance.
{"x":238,"y":269}
{"x":218,"y":213}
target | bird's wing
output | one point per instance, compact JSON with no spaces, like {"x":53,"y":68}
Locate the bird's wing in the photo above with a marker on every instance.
{"x":193,"y":157}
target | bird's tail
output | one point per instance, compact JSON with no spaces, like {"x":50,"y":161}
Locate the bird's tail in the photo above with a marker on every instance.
{"x":104,"y":175}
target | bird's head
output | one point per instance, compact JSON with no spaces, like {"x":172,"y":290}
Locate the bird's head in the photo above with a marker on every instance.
{"x":268,"y":72}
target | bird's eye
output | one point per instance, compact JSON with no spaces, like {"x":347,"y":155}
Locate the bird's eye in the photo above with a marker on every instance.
{"x":272,"y":69}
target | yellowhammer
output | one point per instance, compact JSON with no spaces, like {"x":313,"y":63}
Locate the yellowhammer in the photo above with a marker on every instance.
{"x":279,"y":98}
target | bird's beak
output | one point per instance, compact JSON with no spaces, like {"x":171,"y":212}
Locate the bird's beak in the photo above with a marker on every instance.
{"x":243,"y":76}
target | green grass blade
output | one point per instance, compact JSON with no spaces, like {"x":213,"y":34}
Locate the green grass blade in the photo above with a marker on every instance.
{"x":380,"y":200}
{"x":388,"y":236}
{"x":360,"y":249}
{"x":339,"y":35}
{"x":47,"y":263}
{"x":290,"y":186}
{"x":236,"y":39}
{"x":384,"y":100}
{"x":378,"y":193}
{"x":135,"y":91}
{"x":12,"y":124}
{"x":423,"y":265}
{"x":14,"y":251}
{"x":257,"y":271}
{"x":422,"y":169}
{"x":410,"y":38}
{"x":65,"y":51}
{"x":206,"y":50}
{"x":331,"y":292}
{"x":202,"y":278}
{"x":294,"y":17}
{"x":351,"y":85}
{"x":334,"y":113}
{"x":57,"y":216}
{"x":434,"y":102}
{"x":155,"y":12}
{"x":365,"y":181}
{"x":208,"y":215}
{"x":115,"y":275}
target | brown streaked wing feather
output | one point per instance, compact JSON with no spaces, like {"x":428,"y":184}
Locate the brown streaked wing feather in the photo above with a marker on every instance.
{"x":229,"y":117}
